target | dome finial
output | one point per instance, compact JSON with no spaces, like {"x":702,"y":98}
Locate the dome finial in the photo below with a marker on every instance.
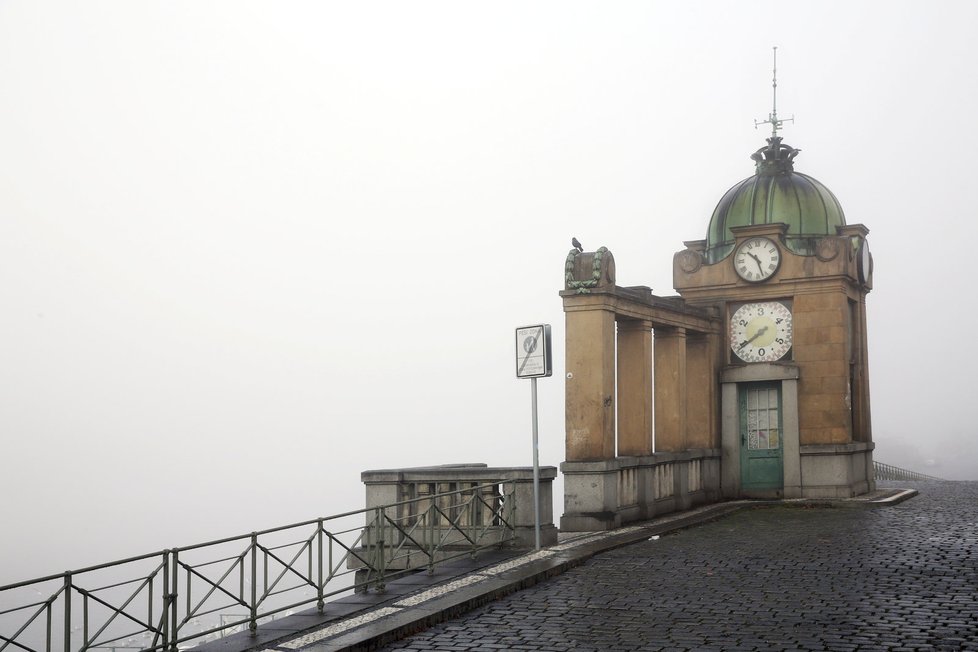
{"x":772,"y":117}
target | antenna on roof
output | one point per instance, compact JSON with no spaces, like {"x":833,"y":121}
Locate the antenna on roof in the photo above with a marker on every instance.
{"x":772,"y":117}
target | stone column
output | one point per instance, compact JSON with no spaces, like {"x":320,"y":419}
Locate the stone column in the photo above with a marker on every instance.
{"x":701,"y":402}
{"x":590,"y":385}
{"x":634,"y":387}
{"x":670,"y":389}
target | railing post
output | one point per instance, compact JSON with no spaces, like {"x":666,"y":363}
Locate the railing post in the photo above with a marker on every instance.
{"x":430,"y":523}
{"x":320,"y":603}
{"x":474,"y":526}
{"x":47,"y":631}
{"x":174,"y":594}
{"x":511,"y":501}
{"x":84,"y":621}
{"x":149,"y":605}
{"x":382,"y":556}
{"x":165,"y":604}
{"x":253,"y":619}
{"x":67,"y":592}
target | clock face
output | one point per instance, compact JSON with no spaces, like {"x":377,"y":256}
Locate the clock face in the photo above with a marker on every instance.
{"x":864,"y":264}
{"x":761,"y":332}
{"x":756,"y":259}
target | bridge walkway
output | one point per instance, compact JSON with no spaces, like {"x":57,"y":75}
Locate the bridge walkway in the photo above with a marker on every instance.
{"x":783,"y":578}
{"x":795,"y":575}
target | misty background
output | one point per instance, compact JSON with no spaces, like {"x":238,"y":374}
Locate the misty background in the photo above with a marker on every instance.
{"x":250,"y":249}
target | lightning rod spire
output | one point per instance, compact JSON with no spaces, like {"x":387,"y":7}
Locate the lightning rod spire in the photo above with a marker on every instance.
{"x":772,"y":118}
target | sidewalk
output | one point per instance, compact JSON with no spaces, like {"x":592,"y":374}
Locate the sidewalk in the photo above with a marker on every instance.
{"x":419,"y":601}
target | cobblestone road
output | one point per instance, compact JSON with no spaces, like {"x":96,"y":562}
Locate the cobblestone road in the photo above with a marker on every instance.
{"x":781,"y":578}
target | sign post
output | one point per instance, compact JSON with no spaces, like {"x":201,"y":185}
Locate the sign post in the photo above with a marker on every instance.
{"x":534,"y":360}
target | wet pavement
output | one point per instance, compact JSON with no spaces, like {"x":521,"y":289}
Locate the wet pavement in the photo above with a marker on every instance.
{"x":903,"y":577}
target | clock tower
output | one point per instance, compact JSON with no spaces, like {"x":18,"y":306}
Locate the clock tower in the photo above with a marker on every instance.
{"x":789,"y":279}
{"x":752,"y":383}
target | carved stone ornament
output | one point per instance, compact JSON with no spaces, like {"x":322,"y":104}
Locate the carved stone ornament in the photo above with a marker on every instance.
{"x":584,"y":272}
{"x":689,"y":260}
{"x":827,"y":249}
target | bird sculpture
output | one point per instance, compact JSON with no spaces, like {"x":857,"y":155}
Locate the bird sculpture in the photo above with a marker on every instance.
{"x":577,"y":245}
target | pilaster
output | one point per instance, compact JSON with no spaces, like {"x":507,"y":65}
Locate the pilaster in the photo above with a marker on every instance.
{"x":590,"y":385}
{"x":701,"y":398}
{"x":670,"y":389}
{"x":634,"y":387}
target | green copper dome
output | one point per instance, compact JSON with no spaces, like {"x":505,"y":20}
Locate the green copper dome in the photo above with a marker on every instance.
{"x":776,"y":193}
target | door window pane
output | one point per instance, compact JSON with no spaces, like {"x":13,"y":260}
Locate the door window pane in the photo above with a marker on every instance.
{"x":762,"y":419}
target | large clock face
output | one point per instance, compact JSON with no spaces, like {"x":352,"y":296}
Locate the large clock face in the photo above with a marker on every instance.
{"x":761,"y":332}
{"x":756,"y":259}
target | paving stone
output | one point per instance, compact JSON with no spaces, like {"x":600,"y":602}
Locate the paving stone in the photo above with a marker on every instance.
{"x":772,"y":578}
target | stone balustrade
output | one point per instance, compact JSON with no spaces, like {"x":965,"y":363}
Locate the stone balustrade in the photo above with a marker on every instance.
{"x":407,"y":490}
{"x":606,"y":494}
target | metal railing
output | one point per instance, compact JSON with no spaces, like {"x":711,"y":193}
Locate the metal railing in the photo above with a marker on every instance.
{"x":888,"y":472}
{"x":166,"y":599}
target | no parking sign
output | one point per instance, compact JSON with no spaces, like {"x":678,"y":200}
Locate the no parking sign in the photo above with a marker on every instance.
{"x":533,"y":357}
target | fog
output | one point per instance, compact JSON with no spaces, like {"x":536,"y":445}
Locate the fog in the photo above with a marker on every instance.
{"x":250,"y":249}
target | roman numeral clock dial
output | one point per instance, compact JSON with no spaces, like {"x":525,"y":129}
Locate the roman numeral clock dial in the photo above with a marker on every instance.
{"x":756,"y":259}
{"x":761,"y":332}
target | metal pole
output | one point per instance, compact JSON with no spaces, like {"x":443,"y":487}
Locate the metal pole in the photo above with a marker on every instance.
{"x":536,"y":467}
{"x":67,"y":611}
{"x":174,"y":595}
{"x":253,"y":615}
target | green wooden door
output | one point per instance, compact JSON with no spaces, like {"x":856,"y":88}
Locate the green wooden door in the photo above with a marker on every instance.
{"x":761,"y":446}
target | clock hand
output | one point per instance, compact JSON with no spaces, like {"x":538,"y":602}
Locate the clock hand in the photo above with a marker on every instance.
{"x":756,"y":260}
{"x":760,"y":331}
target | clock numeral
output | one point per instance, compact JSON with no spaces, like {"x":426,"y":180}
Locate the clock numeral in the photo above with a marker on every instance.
{"x":780,"y":340}
{"x":760,"y":311}
{"x":760,"y":352}
{"x":778,"y":321}
{"x":771,"y":266}
{"x":743,"y":322}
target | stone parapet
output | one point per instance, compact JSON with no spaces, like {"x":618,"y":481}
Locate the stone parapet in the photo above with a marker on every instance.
{"x":406,"y":489}
{"x":606,"y":494}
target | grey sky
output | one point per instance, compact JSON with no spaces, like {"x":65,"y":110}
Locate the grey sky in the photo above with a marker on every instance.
{"x":249,"y":249}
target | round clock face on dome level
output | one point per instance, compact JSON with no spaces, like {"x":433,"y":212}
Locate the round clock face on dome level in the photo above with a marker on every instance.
{"x":756,"y":260}
{"x":761,"y":332}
